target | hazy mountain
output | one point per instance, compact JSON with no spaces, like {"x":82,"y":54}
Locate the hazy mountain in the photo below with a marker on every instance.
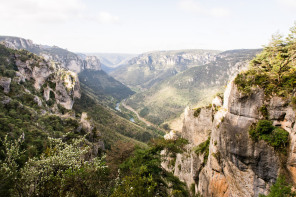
{"x":167,"y":99}
{"x":150,"y":68}
{"x":112,"y":60}
{"x":65,"y":58}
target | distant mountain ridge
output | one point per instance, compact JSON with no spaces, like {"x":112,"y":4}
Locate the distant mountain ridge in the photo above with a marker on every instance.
{"x":112,"y":60}
{"x":150,"y":68}
{"x":67,"y":59}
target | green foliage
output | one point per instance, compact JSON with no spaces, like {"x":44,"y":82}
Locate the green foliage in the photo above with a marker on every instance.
{"x":280,"y":189}
{"x":19,"y":116}
{"x":60,"y":171}
{"x":217,"y":156}
{"x":51,"y":95}
{"x":136,"y":185}
{"x":144,"y":112}
{"x":111,"y":124}
{"x":192,"y":189}
{"x":293,"y":101}
{"x":10,"y":165}
{"x":274,"y":136}
{"x":166,"y":127}
{"x":145,"y":164}
{"x":273,"y":69}
{"x":264,"y":112}
{"x":197,"y":112}
{"x":203,"y":148}
{"x":52,"y":85}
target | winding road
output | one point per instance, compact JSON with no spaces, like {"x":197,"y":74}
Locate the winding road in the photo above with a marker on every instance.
{"x":139,"y":117}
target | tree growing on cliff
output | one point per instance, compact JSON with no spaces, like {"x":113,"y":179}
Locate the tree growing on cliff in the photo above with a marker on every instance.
{"x":274,"y":69}
{"x":280,"y":189}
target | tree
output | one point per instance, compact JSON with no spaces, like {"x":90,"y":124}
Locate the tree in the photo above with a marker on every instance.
{"x":118,"y":153}
{"x":274,"y":69}
{"x":143,"y":175}
{"x":61,"y":170}
{"x":280,"y":189}
{"x":9,"y":166}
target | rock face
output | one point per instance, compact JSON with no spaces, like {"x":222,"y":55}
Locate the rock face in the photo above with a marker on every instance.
{"x":65,"y":58}
{"x":236,"y":165}
{"x":5,"y":83}
{"x":96,"y":143}
{"x":92,"y":63}
{"x":61,"y":84}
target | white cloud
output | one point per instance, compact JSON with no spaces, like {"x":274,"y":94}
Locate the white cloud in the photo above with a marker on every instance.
{"x":51,"y":11}
{"x":290,"y":3}
{"x":41,"y":10}
{"x":196,"y":7}
{"x":104,"y":18}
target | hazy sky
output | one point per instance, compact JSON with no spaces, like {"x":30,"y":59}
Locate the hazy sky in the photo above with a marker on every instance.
{"x":135,"y":26}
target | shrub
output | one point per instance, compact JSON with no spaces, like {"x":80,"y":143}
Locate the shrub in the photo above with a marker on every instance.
{"x":144,"y":175}
{"x":51,"y":95}
{"x":264,"y":112}
{"x":280,"y":189}
{"x":293,"y":101}
{"x":197,"y":112}
{"x":203,"y":148}
{"x":274,"y":136}
{"x":60,"y":171}
{"x":144,"y":112}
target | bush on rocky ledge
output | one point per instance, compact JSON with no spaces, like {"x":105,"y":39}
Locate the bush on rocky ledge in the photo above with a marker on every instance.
{"x":274,"y":136}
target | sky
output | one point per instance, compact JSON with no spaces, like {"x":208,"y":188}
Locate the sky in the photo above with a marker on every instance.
{"x":137,"y":26}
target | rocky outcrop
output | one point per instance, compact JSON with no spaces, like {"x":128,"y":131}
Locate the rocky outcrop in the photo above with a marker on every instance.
{"x":92,"y":63}
{"x":236,"y":165}
{"x":56,"y":82}
{"x":5,"y":84}
{"x":17,"y":43}
{"x":65,"y":58}
{"x":94,"y":136}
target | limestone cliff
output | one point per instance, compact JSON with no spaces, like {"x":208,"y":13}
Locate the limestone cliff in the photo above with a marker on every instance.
{"x":65,"y":58}
{"x":62,"y":84}
{"x":42,"y":93}
{"x":178,"y":59}
{"x":150,"y":68}
{"x":236,"y":165}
